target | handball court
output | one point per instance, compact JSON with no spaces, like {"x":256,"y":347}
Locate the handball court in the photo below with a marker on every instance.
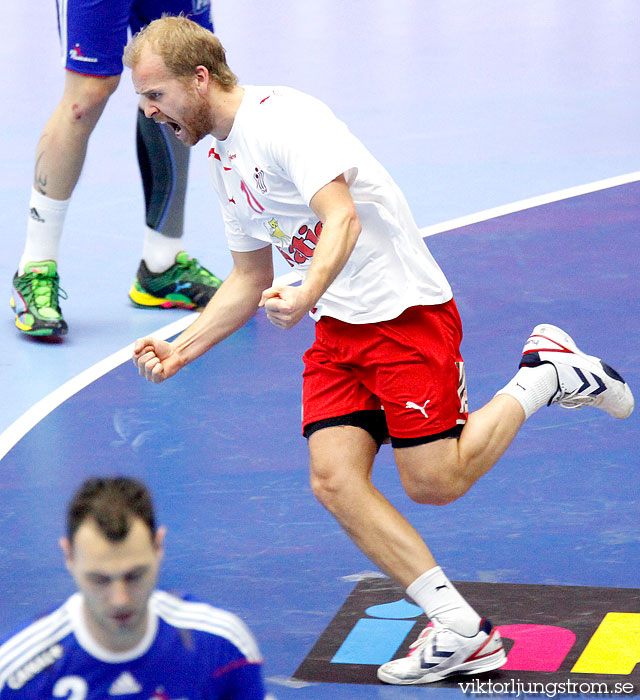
{"x":470,"y":107}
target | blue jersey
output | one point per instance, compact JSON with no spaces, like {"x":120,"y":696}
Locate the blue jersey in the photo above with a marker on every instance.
{"x":93,"y":33}
{"x":190,"y":651}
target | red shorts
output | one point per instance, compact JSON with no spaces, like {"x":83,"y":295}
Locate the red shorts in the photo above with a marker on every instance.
{"x":409,"y":366}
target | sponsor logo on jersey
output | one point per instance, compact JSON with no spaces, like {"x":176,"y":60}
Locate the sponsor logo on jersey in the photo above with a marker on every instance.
{"x":303,"y":244}
{"x":33,"y":667}
{"x":258,"y":176}
{"x":273,"y":227}
{"x":161,"y":694}
{"x":76,"y":54}
{"x":199,"y":6}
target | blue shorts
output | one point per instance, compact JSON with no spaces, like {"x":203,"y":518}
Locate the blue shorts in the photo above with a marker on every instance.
{"x":93,"y":33}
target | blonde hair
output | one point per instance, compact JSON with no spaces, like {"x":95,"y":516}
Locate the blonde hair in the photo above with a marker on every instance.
{"x":183,"y":45}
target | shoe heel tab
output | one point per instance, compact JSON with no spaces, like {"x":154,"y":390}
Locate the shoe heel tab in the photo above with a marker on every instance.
{"x":531,"y":359}
{"x":485,"y":625}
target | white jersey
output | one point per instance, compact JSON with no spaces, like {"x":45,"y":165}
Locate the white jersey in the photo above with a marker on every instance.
{"x":283,"y":147}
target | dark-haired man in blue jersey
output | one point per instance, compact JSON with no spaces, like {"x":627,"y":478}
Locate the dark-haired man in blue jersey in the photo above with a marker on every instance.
{"x":118,"y":635}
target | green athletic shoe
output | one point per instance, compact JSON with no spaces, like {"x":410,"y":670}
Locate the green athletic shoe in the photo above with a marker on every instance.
{"x":35,"y":299}
{"x":185,"y":285}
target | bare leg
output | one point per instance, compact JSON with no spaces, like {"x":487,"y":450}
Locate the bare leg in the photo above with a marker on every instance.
{"x":63,"y":144}
{"x":341,"y":463}
{"x":437,"y":472}
{"x":441,"y":471}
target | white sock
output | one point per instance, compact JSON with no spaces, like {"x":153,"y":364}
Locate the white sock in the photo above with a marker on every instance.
{"x":158,"y":251}
{"x":533,"y":387}
{"x":44,"y":229}
{"x":435,"y":594}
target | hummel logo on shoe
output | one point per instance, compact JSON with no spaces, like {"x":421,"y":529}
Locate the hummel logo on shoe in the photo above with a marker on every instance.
{"x":183,"y":285}
{"x":440,"y":652}
{"x":583,"y":380}
{"x":33,"y":213}
{"x":410,"y":404}
{"x":588,"y":383}
{"x":125,"y":684}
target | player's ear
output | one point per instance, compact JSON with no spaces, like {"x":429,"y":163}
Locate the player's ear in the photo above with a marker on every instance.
{"x":65,"y":546}
{"x":158,"y":540}
{"x":202,"y":78}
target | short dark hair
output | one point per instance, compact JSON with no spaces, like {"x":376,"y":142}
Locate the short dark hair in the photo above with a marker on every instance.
{"x":113,"y":504}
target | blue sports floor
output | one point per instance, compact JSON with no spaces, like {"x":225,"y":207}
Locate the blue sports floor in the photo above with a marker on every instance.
{"x":470,"y":106}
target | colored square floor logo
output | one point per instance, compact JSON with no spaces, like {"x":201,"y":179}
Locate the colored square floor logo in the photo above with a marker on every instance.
{"x":552,"y":634}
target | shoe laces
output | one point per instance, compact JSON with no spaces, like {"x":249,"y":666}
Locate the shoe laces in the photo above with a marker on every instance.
{"x":423,"y":638}
{"x":578,"y":402}
{"x":573,"y":400}
{"x":192,"y":270}
{"x":45,"y":289}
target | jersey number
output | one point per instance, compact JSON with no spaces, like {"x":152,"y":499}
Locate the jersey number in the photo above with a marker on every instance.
{"x":253,"y":202}
{"x":71,"y":687}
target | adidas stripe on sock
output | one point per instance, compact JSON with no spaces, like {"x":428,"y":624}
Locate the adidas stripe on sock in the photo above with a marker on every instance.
{"x":44,"y":229}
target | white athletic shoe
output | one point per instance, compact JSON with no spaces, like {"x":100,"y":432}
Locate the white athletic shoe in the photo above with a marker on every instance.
{"x":440,"y":652}
{"x":583,"y":380}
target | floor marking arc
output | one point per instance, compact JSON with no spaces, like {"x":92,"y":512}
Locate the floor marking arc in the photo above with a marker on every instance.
{"x":30,"y":418}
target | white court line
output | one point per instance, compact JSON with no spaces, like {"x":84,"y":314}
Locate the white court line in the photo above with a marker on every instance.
{"x":530,"y":203}
{"x":19,"y":428}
